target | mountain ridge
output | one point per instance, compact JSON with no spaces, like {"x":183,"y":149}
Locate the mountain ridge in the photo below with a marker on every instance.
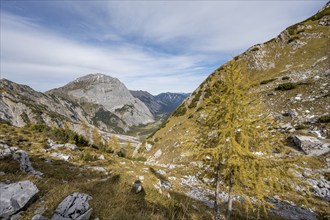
{"x":162,"y":104}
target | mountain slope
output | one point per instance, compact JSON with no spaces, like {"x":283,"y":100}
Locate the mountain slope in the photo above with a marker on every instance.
{"x":107,"y":100}
{"x":164,"y":103}
{"x":171,"y":100}
{"x":297,"y":58}
{"x":20,"y":105}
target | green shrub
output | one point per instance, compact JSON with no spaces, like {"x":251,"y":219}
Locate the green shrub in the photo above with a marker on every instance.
{"x":301,"y":31}
{"x":87,"y":156}
{"x":121,"y":152}
{"x":285,"y":78}
{"x":293,"y":39}
{"x":255,"y":49}
{"x":180,"y":111}
{"x":324,"y":119}
{"x":143,"y":159}
{"x":267,"y":81}
{"x":301,"y":127}
{"x":195,"y":100}
{"x":286,"y":86}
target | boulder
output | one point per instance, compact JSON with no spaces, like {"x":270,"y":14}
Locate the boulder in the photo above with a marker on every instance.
{"x":137,"y":186}
{"x":311,"y":145}
{"x":51,"y":144}
{"x":25,"y":164}
{"x":74,"y":207}
{"x":61,"y":156}
{"x":16,"y":196}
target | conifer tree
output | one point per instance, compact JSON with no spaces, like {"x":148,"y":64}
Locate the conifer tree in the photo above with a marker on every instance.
{"x":237,"y":136}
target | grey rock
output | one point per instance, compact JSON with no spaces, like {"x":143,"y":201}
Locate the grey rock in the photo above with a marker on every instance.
{"x":165,"y":184}
{"x":158,"y":153}
{"x":321,"y":188}
{"x":148,"y":146}
{"x":61,"y":156}
{"x":99,"y":169}
{"x":137,"y":186}
{"x":39,"y":217}
{"x":74,"y":207}
{"x":25,"y":164}
{"x":292,"y":212}
{"x":325,"y":21}
{"x":21,"y":156}
{"x":16,"y":196}
{"x":51,"y":144}
{"x":311,"y":145}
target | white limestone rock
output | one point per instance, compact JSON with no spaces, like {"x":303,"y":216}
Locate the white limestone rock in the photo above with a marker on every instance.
{"x":16,"y":196}
{"x":74,"y":207}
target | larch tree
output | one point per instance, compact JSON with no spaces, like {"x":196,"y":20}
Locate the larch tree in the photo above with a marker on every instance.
{"x":241,"y":147}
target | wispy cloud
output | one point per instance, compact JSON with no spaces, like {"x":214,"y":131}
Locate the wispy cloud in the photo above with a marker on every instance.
{"x":153,"y":46}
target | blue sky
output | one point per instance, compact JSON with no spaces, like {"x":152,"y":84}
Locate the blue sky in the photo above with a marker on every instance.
{"x":157,"y":46}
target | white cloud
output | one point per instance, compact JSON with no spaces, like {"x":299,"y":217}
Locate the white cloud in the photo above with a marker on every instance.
{"x":153,"y":46}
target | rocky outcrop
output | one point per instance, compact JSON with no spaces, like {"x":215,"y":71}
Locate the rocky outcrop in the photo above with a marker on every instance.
{"x":74,"y":207}
{"x":108,"y":97}
{"x":16,"y":196}
{"x":291,"y":211}
{"x":311,"y":145}
{"x":21,"y":156}
{"x":52,"y":145}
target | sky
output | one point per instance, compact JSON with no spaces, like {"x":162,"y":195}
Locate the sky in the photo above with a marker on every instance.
{"x":156,"y":46}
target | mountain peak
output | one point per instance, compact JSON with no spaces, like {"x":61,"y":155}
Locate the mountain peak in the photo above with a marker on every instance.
{"x":97,"y":77}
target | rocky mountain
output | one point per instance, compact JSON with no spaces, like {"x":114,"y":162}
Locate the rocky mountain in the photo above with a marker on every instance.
{"x":21,"y":105}
{"x":161,"y":104}
{"x":171,"y":100}
{"x":291,"y":75}
{"x":107,"y":100}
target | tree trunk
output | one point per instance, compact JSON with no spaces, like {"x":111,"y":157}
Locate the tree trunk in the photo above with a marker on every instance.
{"x":230,"y":199}
{"x":217,"y":191}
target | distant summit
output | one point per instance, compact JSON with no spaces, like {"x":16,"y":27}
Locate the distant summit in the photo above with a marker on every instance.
{"x":162,"y":104}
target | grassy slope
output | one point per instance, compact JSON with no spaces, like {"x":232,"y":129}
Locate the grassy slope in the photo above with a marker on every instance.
{"x":112,"y":195}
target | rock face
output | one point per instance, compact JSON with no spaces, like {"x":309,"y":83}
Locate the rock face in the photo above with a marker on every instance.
{"x":108,"y":100}
{"x":74,"y":207}
{"x":162,"y":104}
{"x":15,"y":197}
{"x":311,"y":145}
{"x":20,"y":105}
